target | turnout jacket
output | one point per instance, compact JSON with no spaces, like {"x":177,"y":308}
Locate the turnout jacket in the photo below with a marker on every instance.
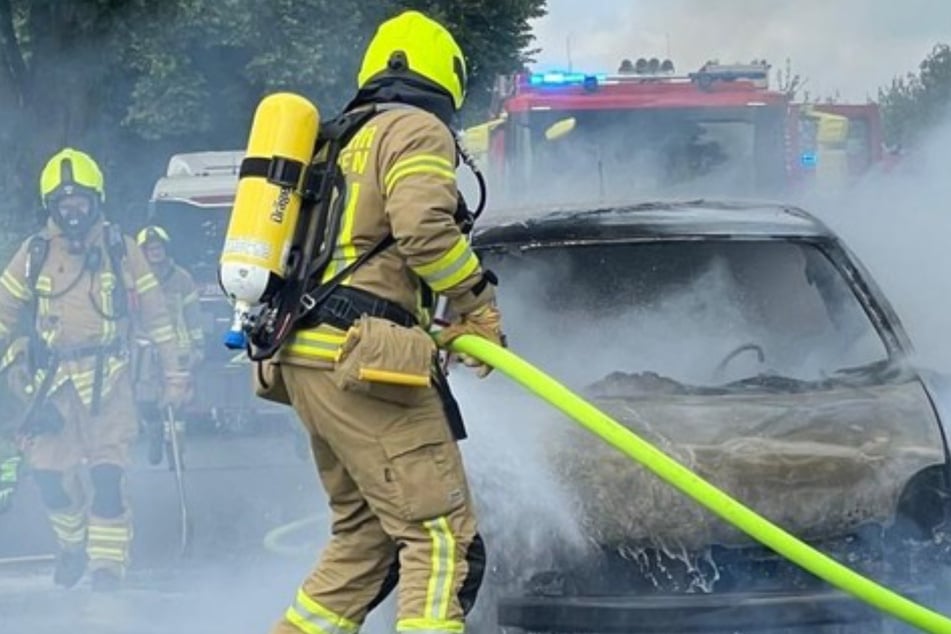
{"x":400,"y":171}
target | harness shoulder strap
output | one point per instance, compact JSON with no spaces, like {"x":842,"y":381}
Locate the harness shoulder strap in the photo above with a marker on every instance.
{"x":37,"y":251}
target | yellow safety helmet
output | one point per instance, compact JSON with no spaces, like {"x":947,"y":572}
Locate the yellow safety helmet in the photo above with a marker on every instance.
{"x":150,"y":234}
{"x":414,"y":44}
{"x":71,"y":172}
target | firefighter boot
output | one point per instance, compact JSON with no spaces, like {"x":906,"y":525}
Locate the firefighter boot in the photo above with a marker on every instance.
{"x":106,"y":580}
{"x":67,"y":518}
{"x":70,"y":529}
{"x":70,"y":567}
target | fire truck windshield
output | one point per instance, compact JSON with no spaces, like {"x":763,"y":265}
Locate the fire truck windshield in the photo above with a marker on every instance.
{"x":620,"y":154}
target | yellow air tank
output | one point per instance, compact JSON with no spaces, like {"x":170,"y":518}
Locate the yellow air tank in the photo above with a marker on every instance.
{"x":267,"y":204}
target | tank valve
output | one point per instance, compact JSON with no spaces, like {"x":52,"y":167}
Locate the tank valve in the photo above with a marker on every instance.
{"x":235,"y":338}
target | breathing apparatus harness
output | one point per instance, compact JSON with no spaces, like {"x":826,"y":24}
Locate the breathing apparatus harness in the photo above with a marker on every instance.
{"x":324,"y":195}
{"x":40,"y":356}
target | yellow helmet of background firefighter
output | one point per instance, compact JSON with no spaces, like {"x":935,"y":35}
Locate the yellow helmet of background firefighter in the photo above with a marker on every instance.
{"x":415,"y":44}
{"x":150,"y":233}
{"x":71,"y":172}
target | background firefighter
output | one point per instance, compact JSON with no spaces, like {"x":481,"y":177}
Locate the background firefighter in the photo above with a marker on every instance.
{"x":181,"y":298}
{"x":66,"y":301}
{"x":385,"y":445}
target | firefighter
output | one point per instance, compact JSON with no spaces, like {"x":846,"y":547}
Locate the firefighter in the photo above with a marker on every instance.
{"x":77,"y":285}
{"x":181,"y":294}
{"x":181,"y":298}
{"x":387,"y":452}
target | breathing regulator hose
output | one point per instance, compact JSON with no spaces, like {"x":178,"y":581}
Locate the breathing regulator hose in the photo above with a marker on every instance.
{"x":703,"y":492}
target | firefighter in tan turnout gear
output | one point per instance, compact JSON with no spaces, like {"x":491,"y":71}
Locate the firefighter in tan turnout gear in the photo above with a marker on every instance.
{"x":358,"y":368}
{"x":75,"y":286}
{"x":181,"y":294}
{"x":181,"y":298}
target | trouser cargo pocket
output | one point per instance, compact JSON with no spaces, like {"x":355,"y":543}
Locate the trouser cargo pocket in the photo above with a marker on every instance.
{"x":386,"y":361}
{"x":424,"y":472}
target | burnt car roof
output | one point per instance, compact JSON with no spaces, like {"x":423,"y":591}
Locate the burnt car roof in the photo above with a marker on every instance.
{"x":652,"y":219}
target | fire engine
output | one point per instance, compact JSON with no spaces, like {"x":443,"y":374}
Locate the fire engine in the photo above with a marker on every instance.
{"x":721,"y":130}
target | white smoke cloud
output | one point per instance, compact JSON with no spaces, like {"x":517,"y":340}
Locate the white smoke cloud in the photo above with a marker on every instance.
{"x":899,"y":225}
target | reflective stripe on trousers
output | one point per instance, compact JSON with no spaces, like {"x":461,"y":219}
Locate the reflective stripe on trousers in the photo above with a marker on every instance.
{"x":312,"y":618}
{"x":439,"y":591}
{"x":109,"y":543}
{"x":70,"y":528}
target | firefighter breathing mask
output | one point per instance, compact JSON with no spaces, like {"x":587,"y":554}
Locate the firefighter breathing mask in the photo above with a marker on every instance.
{"x":73,"y":213}
{"x":71,"y":187}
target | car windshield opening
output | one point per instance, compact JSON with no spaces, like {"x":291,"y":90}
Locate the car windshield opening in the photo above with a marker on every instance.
{"x":700,"y":312}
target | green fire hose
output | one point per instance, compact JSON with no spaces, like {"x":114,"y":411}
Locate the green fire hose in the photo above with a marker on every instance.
{"x":699,"y":489}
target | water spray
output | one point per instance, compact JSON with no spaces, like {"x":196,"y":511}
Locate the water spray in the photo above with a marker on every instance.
{"x":701,"y":491}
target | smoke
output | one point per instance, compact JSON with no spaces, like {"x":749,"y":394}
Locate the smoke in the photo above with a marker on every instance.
{"x":899,"y":225}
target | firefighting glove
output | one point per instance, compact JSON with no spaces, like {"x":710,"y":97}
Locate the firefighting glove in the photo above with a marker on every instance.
{"x":484,"y":321}
{"x":177,"y":390}
{"x":9,"y":478}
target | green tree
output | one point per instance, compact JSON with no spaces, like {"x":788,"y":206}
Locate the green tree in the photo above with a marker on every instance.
{"x":133,"y":81}
{"x":916,"y":102}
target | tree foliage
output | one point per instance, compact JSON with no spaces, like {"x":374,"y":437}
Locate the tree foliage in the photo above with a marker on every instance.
{"x":133,"y":81}
{"x":916,"y":102}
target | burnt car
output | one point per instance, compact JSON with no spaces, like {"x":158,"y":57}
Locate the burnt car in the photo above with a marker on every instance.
{"x":748,"y":342}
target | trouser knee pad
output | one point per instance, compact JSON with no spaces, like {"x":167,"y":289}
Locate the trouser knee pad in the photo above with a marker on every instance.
{"x":52,"y":491}
{"x":475,"y":558}
{"x":107,"y":491}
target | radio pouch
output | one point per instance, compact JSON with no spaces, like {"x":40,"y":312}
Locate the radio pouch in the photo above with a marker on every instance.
{"x":386,"y":361}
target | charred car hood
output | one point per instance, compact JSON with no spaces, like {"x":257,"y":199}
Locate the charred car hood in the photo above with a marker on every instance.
{"x":817,"y":463}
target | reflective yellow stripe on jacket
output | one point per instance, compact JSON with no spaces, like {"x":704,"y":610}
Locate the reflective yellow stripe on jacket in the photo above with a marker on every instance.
{"x":13,"y":286}
{"x":451,"y":268}
{"x":322,"y":342}
{"x":419,"y":164}
{"x":345,"y":251}
{"x":44,"y":288}
{"x":107,"y":284}
{"x":146,"y":283}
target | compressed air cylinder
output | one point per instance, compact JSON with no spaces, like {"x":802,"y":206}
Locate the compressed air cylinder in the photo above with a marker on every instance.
{"x":267,"y":204}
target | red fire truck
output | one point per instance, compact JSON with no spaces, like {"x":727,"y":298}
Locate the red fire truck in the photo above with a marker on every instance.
{"x":563,"y":136}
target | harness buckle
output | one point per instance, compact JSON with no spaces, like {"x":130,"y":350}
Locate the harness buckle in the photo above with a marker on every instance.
{"x":308,"y":302}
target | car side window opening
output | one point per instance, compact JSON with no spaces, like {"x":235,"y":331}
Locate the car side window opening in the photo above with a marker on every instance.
{"x":681,"y":308}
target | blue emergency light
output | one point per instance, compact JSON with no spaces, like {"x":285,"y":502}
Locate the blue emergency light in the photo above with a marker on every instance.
{"x":808,"y":159}
{"x":559,"y":78}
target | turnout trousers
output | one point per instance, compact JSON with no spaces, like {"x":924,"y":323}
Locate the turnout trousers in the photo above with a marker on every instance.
{"x":98,"y":520}
{"x":402,"y":515}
